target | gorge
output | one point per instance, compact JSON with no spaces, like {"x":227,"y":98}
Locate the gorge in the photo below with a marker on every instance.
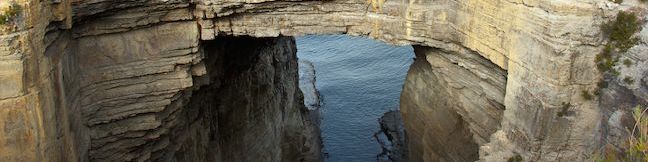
{"x":216,"y":80}
{"x":357,"y":81}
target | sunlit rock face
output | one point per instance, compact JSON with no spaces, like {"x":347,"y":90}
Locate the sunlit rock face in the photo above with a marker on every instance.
{"x":158,"y":94}
{"x":108,"y":80}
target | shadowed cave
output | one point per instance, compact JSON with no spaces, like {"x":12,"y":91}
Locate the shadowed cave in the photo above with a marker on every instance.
{"x":250,"y":103}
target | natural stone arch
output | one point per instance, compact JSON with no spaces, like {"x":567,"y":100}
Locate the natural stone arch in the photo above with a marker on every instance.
{"x":541,"y":44}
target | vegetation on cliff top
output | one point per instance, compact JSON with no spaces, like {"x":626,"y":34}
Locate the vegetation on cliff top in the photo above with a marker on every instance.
{"x":10,"y":13}
{"x":620,"y":31}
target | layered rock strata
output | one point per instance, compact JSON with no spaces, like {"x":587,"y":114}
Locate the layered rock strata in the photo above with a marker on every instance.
{"x":243,"y":98}
{"x":75,"y":75}
{"x":451,"y":103}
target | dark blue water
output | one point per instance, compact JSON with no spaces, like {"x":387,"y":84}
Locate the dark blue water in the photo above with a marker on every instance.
{"x":358,"y":79}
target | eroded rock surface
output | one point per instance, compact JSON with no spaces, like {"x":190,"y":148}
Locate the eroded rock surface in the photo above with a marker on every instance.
{"x":252,"y":105}
{"x":75,"y":75}
{"x":619,"y":98}
{"x":392,"y":138}
{"x":451,"y":103}
{"x":307,"y":81}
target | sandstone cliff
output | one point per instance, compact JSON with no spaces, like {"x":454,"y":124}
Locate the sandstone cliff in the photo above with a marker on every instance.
{"x":108,"y":80}
{"x":451,"y":104}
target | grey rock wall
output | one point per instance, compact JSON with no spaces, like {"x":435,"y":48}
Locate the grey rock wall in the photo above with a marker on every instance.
{"x":75,"y":75}
{"x":252,"y":106}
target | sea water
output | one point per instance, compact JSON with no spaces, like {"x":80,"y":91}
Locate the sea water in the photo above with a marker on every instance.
{"x":359,"y":79}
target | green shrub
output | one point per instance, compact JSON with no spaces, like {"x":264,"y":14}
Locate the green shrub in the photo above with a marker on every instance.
{"x":516,"y":158}
{"x":9,"y":14}
{"x":627,"y":62}
{"x":564,"y":110}
{"x":615,"y":72}
{"x":586,"y":95}
{"x":621,"y":30}
{"x":638,"y":141}
{"x":599,"y":86}
{"x":628,"y":80}
{"x":620,"y":33}
{"x":4,"y":19}
{"x":607,"y":65}
{"x":602,"y":84}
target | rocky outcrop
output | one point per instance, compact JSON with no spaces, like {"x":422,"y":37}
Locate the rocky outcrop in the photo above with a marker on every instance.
{"x":131,"y":96}
{"x":252,"y":105}
{"x":158,"y":94}
{"x":451,"y":103}
{"x":243,"y":99}
{"x":392,"y":138}
{"x":312,"y":100}
{"x":618,"y":98}
{"x":307,"y":85}
{"x":75,"y":76}
{"x":162,"y":101}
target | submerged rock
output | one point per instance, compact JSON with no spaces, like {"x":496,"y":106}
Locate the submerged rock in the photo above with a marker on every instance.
{"x":391,"y":138}
{"x":311,"y":96}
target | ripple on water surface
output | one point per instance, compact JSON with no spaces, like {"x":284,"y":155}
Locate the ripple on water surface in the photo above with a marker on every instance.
{"x":359,"y":79}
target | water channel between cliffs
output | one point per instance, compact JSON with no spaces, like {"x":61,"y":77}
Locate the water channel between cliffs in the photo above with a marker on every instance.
{"x":358,"y":80}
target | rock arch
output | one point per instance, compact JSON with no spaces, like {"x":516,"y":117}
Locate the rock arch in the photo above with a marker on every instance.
{"x":536,"y":52}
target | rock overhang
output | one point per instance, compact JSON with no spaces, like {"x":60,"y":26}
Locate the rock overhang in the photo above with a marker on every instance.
{"x":543,"y":45}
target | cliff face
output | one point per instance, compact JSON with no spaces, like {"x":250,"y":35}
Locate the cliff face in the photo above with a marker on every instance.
{"x":252,"y":105}
{"x":242,"y":99}
{"x":239,"y":97}
{"x":132,"y":79}
{"x":160,"y":94}
{"x":451,"y":103}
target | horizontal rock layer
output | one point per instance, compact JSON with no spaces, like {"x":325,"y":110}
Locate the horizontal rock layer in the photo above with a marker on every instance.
{"x":451,"y":102}
{"x":75,"y":74}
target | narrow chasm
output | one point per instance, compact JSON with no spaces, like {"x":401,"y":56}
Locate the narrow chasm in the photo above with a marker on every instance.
{"x":354,"y":83}
{"x":247,"y":105}
{"x":337,"y":99}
